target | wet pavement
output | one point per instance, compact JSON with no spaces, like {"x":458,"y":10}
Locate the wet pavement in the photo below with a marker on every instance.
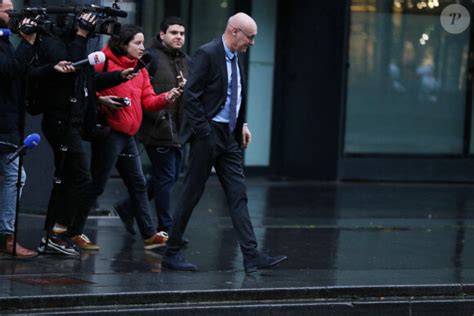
{"x":367,"y":237}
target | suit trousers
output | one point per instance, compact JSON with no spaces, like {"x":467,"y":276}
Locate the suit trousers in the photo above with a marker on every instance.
{"x":218,"y":149}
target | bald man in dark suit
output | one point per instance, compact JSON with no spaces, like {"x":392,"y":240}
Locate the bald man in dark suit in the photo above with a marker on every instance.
{"x":214,"y":110}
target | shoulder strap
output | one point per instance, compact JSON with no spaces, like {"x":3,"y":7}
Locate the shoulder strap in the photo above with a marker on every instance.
{"x":103,"y":67}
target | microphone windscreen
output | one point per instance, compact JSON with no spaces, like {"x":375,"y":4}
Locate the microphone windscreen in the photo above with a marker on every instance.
{"x":5,"y":32}
{"x":32,"y":140}
{"x":96,"y":58}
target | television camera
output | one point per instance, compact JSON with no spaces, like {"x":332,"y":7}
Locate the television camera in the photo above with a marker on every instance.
{"x":68,"y":18}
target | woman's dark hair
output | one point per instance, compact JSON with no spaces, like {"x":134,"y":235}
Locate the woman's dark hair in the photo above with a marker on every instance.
{"x":118,"y":43}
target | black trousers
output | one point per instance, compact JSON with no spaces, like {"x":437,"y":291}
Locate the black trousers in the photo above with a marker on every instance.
{"x":72,"y":189}
{"x":218,"y":149}
{"x":120,"y":151}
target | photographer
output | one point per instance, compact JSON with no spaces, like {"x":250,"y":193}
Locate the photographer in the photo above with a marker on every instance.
{"x":68,"y":100}
{"x":13,"y":66}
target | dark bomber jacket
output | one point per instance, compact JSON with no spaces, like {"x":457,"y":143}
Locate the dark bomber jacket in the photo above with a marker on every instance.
{"x":162,"y":128}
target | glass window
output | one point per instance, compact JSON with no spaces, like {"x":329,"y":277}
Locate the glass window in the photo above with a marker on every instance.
{"x":152,"y":15}
{"x":208,"y":20}
{"x":260,"y":85}
{"x":406,"y":81}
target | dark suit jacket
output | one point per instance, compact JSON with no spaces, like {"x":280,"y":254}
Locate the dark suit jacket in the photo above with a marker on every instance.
{"x":206,"y":90}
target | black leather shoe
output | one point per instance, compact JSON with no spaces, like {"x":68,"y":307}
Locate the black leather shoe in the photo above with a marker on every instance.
{"x":127,"y":220}
{"x":177,"y":262}
{"x":262,"y":261}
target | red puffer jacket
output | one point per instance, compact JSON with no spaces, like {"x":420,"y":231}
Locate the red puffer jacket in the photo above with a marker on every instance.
{"x":127,"y":120}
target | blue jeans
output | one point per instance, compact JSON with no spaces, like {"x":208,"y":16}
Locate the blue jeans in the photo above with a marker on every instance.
{"x":121,"y":151}
{"x":165,"y":163}
{"x":8,"y":187}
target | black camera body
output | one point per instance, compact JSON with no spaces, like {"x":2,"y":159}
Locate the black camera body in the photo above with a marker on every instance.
{"x":107,"y":19}
{"x":38,"y":15}
{"x":67,"y":19}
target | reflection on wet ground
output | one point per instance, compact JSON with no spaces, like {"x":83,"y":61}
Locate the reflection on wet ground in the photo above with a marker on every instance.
{"x":349,"y":234}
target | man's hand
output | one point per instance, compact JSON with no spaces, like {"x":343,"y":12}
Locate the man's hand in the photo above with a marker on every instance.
{"x":128,"y":74}
{"x":246,"y":136}
{"x":64,"y":67}
{"x":173,"y":95}
{"x":111,"y":105}
{"x":29,"y":23}
{"x":181,"y":80}
{"x":87,"y":23}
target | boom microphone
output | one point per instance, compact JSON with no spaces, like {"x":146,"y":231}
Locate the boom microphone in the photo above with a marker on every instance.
{"x":142,"y":63}
{"x":115,"y":12}
{"x":31,"y":141}
{"x":5,"y":32}
{"x":110,"y":11}
{"x":62,"y":9}
{"x":94,"y":58}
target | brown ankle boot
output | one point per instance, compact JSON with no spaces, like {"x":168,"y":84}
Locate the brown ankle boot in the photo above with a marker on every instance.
{"x":20,"y":251}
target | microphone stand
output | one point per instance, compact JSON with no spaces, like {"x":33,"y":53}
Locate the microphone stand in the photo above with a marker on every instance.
{"x":21,"y":123}
{"x":18,"y":195}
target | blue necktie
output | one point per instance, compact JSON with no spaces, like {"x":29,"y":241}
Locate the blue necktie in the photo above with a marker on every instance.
{"x":233,"y":95}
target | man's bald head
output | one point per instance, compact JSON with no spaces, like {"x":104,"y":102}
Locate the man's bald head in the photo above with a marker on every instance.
{"x":240,"y":32}
{"x":242,"y":20}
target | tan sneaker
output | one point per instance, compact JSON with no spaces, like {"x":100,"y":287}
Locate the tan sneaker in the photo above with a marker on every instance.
{"x":157,"y":240}
{"x":83,"y":242}
{"x":20,"y":251}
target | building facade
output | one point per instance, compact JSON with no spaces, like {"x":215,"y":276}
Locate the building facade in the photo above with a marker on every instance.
{"x":376,"y":90}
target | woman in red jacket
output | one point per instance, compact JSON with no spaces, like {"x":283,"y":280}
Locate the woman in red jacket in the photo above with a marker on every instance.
{"x":119,"y":148}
